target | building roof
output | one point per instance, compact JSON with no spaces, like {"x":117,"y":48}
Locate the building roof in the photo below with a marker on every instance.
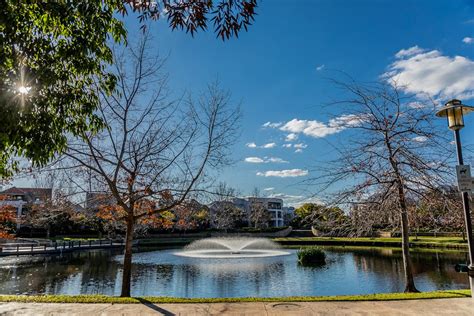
{"x":36,"y":192}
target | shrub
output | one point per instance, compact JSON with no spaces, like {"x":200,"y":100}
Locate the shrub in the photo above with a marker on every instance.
{"x":261,"y":230}
{"x":311,"y":256}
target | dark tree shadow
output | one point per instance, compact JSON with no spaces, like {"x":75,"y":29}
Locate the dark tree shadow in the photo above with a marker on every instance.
{"x":154,"y":307}
{"x":459,"y":294}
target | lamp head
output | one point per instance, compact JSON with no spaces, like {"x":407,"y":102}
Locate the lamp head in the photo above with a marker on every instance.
{"x":454,"y":111}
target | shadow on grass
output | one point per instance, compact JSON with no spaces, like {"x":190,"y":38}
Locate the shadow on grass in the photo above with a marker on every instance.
{"x":154,"y":307}
{"x":459,"y":294}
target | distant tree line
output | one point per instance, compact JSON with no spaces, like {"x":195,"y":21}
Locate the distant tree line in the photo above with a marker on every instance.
{"x":436,"y":211}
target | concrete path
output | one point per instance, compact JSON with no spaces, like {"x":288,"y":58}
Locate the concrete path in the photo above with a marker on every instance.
{"x":453,"y":306}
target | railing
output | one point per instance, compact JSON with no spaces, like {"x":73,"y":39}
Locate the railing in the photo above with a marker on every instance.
{"x":58,"y":247}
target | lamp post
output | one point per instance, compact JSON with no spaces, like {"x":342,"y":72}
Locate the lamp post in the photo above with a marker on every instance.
{"x":454,"y":111}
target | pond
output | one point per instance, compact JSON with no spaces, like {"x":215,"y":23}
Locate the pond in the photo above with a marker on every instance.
{"x":161,"y":273}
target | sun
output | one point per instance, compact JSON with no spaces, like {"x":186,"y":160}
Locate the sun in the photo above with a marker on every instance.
{"x":24,"y":90}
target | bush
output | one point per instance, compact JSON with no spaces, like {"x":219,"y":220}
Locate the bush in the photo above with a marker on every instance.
{"x":261,"y":230}
{"x":311,"y":256}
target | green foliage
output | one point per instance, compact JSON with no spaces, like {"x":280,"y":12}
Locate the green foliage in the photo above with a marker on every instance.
{"x":58,"y":51}
{"x":161,"y":300}
{"x":306,"y":209}
{"x":328,"y":220}
{"x":228,"y":17}
{"x":311,"y":256}
{"x":53,"y":59}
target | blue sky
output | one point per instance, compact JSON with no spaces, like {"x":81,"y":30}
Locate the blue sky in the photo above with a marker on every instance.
{"x":278,"y":70}
{"x":273,"y":69}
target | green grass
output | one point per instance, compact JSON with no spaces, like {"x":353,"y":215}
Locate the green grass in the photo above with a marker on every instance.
{"x":422,"y":241}
{"x":146,"y":299}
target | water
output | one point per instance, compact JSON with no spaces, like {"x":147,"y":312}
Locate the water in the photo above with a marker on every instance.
{"x":161,"y":273}
{"x":236,"y":247}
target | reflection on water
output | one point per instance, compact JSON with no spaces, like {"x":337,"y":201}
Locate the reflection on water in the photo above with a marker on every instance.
{"x":160,"y":273}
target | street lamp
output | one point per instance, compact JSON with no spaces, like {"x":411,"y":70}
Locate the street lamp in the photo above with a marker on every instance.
{"x":454,"y":111}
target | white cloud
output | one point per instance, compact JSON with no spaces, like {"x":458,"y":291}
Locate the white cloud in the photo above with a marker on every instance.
{"x":272,"y":125}
{"x":320,"y":67}
{"x":420,"y":139}
{"x":299,"y":150}
{"x":285,"y":196}
{"x":264,"y":160}
{"x":269,"y":145}
{"x":416,"y":105}
{"x":347,"y":120}
{"x":424,"y":72}
{"x":287,"y":145}
{"x":296,"y":200}
{"x":409,"y":52}
{"x":291,"y":137}
{"x":319,"y":129}
{"x":300,"y":146}
{"x":310,"y":128}
{"x":276,"y":160}
{"x":269,"y":189}
{"x":468,"y":40}
{"x":284,"y":173}
{"x":254,"y":160}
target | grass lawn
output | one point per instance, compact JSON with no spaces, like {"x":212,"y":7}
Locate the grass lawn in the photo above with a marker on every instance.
{"x":145,"y":299}
{"x":422,"y":241}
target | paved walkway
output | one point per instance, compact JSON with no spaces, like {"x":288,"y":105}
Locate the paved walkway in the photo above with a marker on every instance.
{"x":452,"y":306}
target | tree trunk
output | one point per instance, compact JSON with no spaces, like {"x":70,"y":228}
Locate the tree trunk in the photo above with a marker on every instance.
{"x":407,"y":264}
{"x":127,"y":260}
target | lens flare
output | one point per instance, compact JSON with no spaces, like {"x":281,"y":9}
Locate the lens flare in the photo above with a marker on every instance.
{"x":23,"y":89}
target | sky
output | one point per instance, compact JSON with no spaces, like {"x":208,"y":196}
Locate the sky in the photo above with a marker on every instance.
{"x":278,"y":70}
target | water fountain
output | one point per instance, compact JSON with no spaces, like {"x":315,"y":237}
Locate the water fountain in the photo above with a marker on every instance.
{"x":236,"y":247}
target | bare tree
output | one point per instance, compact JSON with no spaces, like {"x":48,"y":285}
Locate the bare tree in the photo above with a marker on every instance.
{"x":154,"y":152}
{"x":224,"y":213}
{"x":374,"y":213}
{"x":51,"y":214}
{"x":439,"y":209}
{"x":259,"y":215}
{"x":394,"y":151}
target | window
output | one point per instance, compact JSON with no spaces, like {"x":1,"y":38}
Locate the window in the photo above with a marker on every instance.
{"x":274,"y":205}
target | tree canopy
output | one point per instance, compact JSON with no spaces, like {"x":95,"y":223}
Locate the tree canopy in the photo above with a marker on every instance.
{"x":51,"y":53}
{"x":228,"y":17}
